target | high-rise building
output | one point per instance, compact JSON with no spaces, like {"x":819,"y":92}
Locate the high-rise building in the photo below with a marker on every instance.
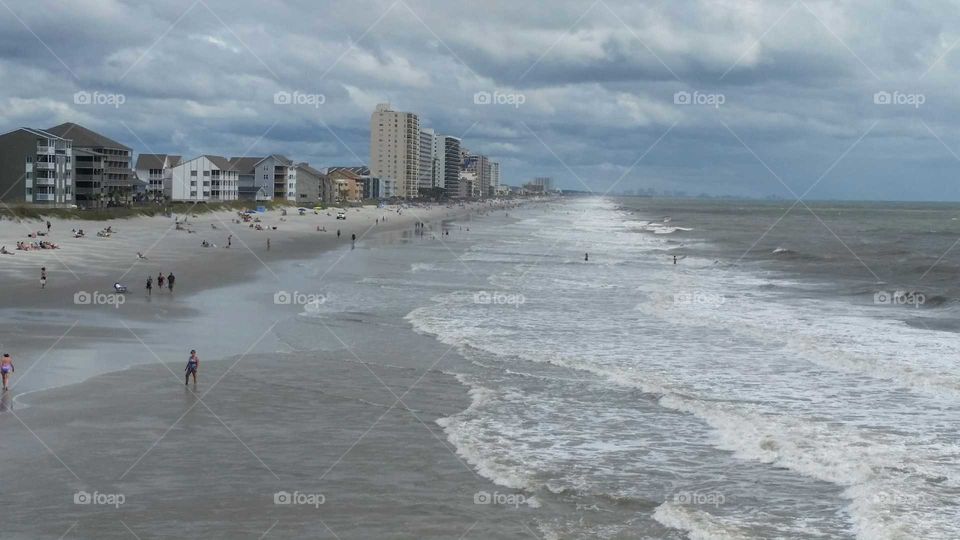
{"x":395,"y":149}
{"x":451,"y":165}
{"x":494,"y":176}
{"x":432,"y":158}
{"x":35,"y":167}
{"x":479,"y":165}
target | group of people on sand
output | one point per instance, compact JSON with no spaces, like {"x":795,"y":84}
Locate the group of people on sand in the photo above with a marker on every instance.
{"x":30,"y":246}
{"x":169,"y":280}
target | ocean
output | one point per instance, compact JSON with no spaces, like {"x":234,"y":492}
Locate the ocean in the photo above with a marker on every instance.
{"x":798,"y":381}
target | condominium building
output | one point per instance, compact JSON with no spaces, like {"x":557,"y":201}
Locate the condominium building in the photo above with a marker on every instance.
{"x":35,"y":167}
{"x":204,"y":179}
{"x":432,"y":153}
{"x":479,"y":165}
{"x":395,"y":148}
{"x":451,"y":165}
{"x":156,"y":171}
{"x":495,"y":176}
{"x":104,"y":171}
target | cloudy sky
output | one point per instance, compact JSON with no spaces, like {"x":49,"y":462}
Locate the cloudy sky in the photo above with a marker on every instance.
{"x":810,"y":98}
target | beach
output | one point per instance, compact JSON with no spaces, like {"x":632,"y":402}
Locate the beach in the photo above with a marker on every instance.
{"x":490,"y":383}
{"x":100,"y":384}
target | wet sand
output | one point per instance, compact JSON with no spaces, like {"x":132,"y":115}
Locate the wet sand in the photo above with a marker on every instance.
{"x":340,"y":413}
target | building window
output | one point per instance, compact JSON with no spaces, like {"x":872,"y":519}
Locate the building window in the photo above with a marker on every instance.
{"x":193,"y":173}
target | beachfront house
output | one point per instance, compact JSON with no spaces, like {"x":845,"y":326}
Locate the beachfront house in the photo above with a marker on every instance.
{"x":271,"y":178}
{"x":313,"y":187}
{"x":203,"y":179}
{"x":157,"y":171}
{"x":348,"y":185}
{"x":35,"y":168}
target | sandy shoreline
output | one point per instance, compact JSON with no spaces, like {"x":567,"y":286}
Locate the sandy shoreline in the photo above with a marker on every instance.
{"x":301,"y":410}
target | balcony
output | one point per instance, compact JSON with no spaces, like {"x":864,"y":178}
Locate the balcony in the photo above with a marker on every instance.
{"x":45,"y":197}
{"x":44,"y":165}
{"x":45,"y":181}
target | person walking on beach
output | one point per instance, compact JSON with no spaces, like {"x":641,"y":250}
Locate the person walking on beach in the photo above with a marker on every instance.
{"x":193,"y":365}
{"x":43,"y":277}
{"x":353,"y":240}
{"x":338,"y":234}
{"x":170,"y":279}
{"x":6,"y":368}
{"x":229,"y":240}
{"x":160,"y":281}
{"x":268,"y":244}
{"x":48,"y":227}
{"x":149,"y":286}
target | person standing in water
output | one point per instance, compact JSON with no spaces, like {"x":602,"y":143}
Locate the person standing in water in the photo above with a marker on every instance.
{"x":149,"y":286}
{"x":43,"y":277}
{"x":6,"y":368}
{"x":586,"y":257}
{"x":674,"y":259}
{"x":170,"y":279}
{"x":193,"y":365}
{"x":160,"y":281}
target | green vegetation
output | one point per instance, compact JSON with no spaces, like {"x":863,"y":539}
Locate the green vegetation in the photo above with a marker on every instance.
{"x":104,"y":214}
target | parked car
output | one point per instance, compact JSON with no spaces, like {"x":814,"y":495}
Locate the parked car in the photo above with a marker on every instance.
{"x":341,"y":214}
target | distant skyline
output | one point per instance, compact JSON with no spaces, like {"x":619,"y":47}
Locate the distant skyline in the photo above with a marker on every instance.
{"x":824,"y":100}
